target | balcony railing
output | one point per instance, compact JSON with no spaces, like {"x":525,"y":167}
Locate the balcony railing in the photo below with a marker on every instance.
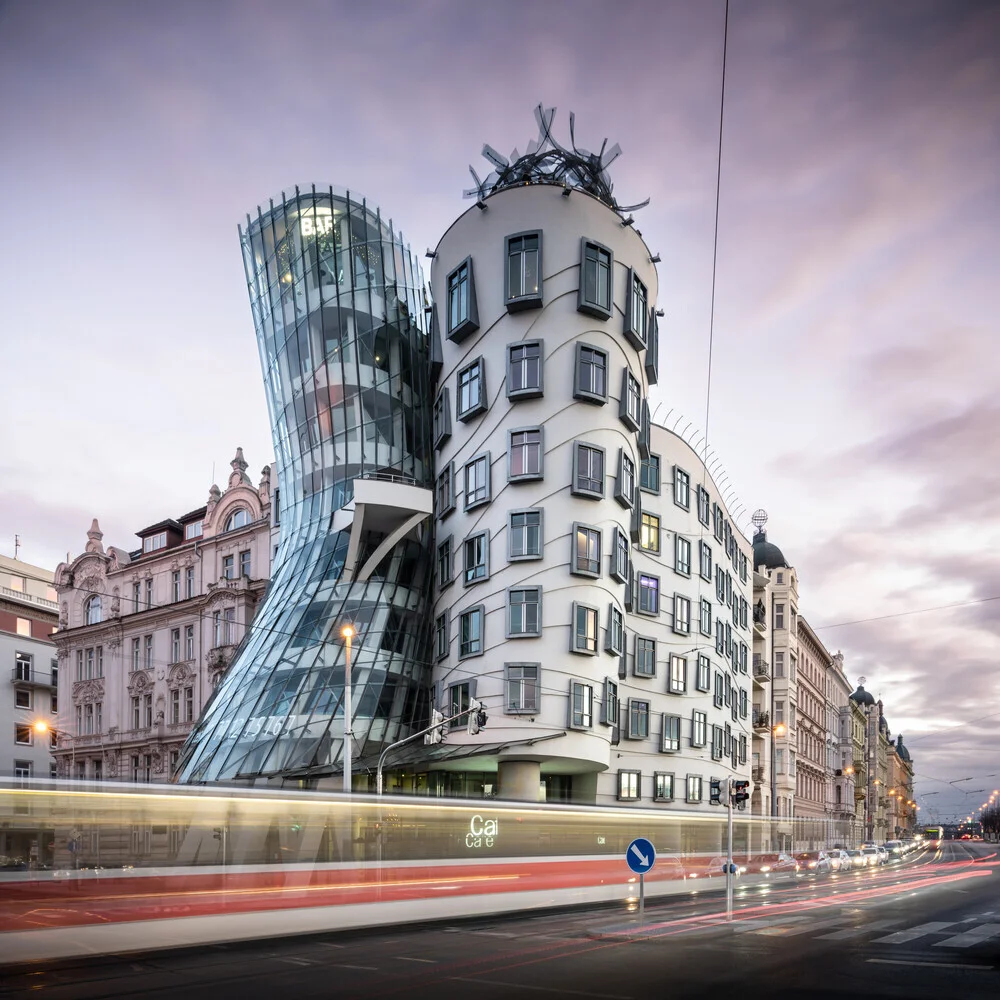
{"x":25,"y":675}
{"x":20,"y":595}
{"x":761,"y":668}
{"x":757,"y":773}
{"x":761,"y":720}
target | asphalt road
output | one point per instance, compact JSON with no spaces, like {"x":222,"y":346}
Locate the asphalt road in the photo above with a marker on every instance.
{"x":929,"y":927}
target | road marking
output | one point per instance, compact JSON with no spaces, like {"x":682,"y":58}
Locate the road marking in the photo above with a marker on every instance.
{"x":901,"y":937}
{"x":404,"y":958}
{"x":971,"y":937}
{"x":933,"y":965}
{"x":364,"y":968}
{"x":543,"y":989}
{"x":295,"y":961}
{"x":499,"y":934}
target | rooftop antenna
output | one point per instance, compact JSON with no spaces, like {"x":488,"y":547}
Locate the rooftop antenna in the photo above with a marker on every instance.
{"x":17,"y":545}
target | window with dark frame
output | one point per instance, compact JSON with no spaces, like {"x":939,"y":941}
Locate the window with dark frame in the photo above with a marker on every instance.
{"x":694,"y":788}
{"x":591,"y":374}
{"x":524,"y":611}
{"x":677,"y":676}
{"x":705,"y":560}
{"x":625,"y":480}
{"x":586,"y":550}
{"x":706,"y":617}
{"x":649,"y":474}
{"x":628,"y":785}
{"x":699,"y":728}
{"x":596,"y":272}
{"x":476,"y":550}
{"x":588,"y":470}
{"x":442,"y":418}
{"x":703,"y":505}
{"x":649,"y":594}
{"x":471,"y":390}
{"x":441,"y":641}
{"x":637,"y":312}
{"x":682,"y":614}
{"x":649,"y":533}
{"x":682,"y":555}
{"x":444,"y":491}
{"x":521,"y":683}
{"x":586,"y":625}
{"x":644,"y":664}
{"x":525,"y":534}
{"x":682,"y":488}
{"x":630,"y":406}
{"x":471,"y":632}
{"x":638,"y":718}
{"x":444,"y":563}
{"x":477,"y":481}
{"x":525,"y":454}
{"x":621,"y":556}
{"x":581,"y":705}
{"x":663,"y":786}
{"x":671,"y":741}
{"x":524,"y":271}
{"x":524,"y":370}
{"x":703,"y":677}
{"x":615,"y":637}
{"x":463,"y":314}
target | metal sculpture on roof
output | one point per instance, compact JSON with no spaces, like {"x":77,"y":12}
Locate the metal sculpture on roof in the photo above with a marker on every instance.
{"x":547,"y":162}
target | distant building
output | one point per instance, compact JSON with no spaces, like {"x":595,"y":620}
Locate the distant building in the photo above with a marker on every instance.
{"x":846,"y":728}
{"x":782,"y":623}
{"x":28,"y":617}
{"x":902,"y":810}
{"x":762,"y":760}
{"x":813,"y":775}
{"x":145,"y":635}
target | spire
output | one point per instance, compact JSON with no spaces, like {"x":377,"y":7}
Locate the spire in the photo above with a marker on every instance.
{"x":239,"y":477}
{"x":94,"y":537}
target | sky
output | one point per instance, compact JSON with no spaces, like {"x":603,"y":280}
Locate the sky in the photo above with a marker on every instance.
{"x":854,"y":373}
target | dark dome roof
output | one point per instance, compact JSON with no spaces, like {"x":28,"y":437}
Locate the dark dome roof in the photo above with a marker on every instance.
{"x":904,"y":753}
{"x":863,"y":697}
{"x":766,"y":553}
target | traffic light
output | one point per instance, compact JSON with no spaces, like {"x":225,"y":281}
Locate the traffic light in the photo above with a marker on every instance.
{"x":477,"y":716}
{"x":217,"y":833}
{"x":437,"y":734}
{"x":715,"y":795}
{"x":741,"y":792}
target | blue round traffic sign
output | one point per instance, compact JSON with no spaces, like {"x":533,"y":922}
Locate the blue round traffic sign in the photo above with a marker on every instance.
{"x":640,"y":855}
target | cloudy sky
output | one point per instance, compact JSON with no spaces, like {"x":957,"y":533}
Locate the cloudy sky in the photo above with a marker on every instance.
{"x":855,"y":369}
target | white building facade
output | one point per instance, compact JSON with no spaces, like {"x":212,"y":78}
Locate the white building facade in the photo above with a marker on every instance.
{"x":590,"y":588}
{"x":28,"y":687}
{"x":145,"y":635}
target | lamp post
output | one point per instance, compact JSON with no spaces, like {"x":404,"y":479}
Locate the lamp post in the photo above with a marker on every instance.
{"x":348,"y":633}
{"x":776,"y":731}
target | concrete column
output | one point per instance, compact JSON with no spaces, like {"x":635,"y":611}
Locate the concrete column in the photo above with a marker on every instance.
{"x":519,"y":779}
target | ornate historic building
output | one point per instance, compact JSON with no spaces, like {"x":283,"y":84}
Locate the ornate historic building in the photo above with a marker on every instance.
{"x":146,"y":634}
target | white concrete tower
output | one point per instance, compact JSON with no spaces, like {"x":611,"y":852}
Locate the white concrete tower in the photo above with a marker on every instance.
{"x":553,"y":602}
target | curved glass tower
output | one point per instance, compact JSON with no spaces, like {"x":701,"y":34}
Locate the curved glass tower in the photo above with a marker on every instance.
{"x":338,"y":308}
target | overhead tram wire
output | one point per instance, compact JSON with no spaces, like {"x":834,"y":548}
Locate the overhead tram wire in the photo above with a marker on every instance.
{"x":903,"y":614}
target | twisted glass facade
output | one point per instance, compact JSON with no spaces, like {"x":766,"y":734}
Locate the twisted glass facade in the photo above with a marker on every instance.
{"x":338,"y":309}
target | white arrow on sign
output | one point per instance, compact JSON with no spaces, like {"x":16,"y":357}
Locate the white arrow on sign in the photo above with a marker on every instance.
{"x":642,"y":857}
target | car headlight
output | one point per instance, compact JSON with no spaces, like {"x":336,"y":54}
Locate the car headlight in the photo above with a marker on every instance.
{"x":765,"y":868}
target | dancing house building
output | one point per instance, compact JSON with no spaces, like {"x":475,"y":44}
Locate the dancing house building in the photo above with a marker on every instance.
{"x":338,"y":310}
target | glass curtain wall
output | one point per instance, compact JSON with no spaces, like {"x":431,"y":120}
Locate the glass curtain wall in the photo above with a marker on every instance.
{"x":338,"y":306}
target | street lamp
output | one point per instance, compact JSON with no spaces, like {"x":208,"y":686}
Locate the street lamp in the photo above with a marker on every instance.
{"x":348,"y":633}
{"x":777,"y":731}
{"x":43,"y":726}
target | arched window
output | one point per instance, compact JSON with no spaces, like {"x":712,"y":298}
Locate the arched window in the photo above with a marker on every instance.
{"x":92,"y":610}
{"x":239,"y":518}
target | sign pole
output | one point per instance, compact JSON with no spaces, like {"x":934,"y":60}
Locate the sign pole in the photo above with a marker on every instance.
{"x":640,"y":856}
{"x":729,"y":854}
{"x":642,"y":900}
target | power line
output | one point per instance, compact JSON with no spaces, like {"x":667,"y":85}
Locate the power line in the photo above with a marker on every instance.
{"x":903,"y":614}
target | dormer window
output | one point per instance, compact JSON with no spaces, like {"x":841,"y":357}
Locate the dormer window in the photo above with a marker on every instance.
{"x":153,"y":542}
{"x":239,"y":518}
{"x":194,"y":530}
